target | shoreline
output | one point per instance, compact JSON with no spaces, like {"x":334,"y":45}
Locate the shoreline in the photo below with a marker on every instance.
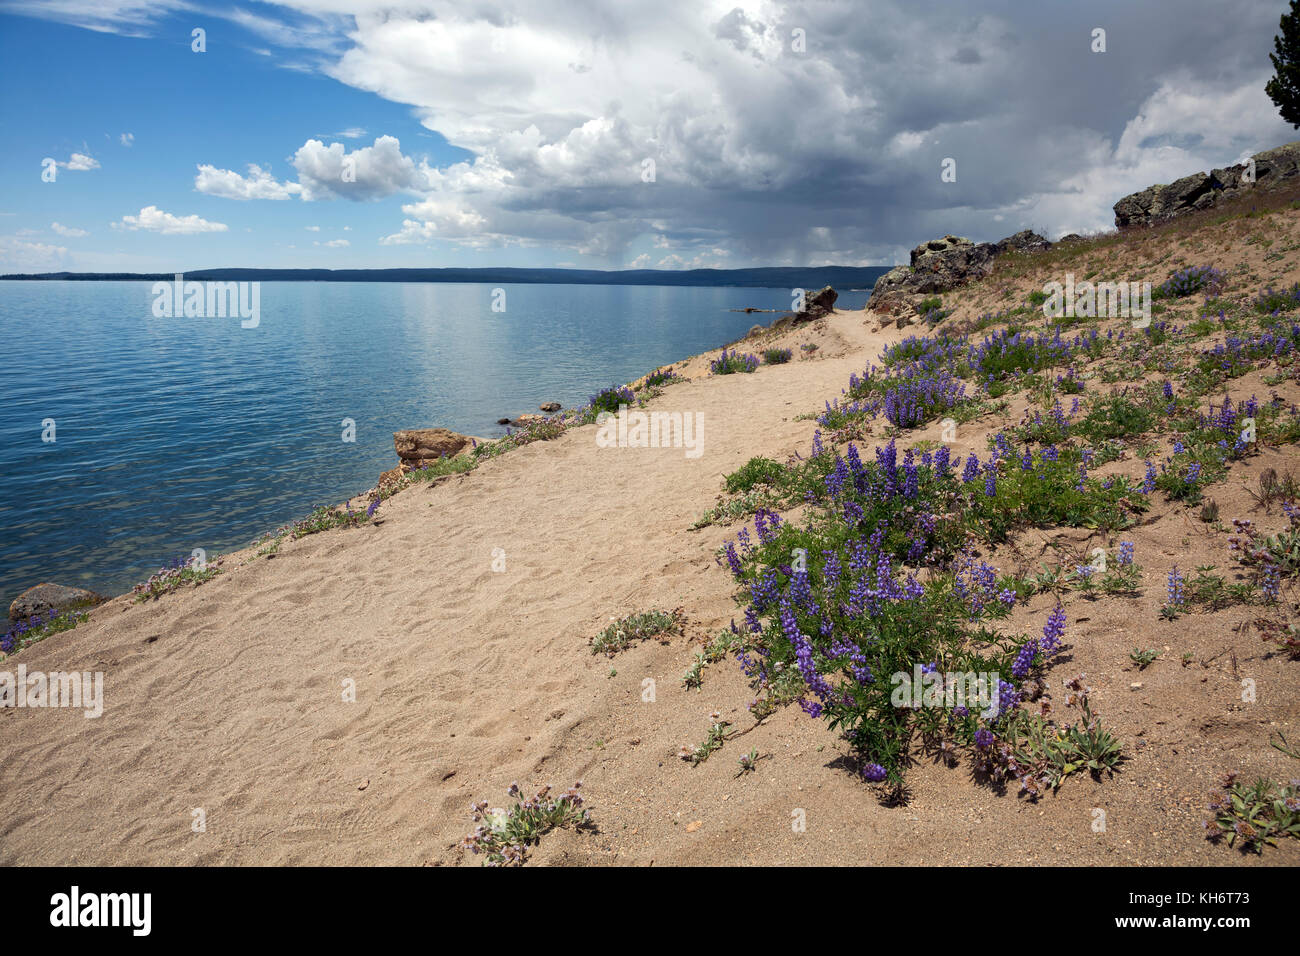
{"x":347,"y":699}
{"x":360,"y":498}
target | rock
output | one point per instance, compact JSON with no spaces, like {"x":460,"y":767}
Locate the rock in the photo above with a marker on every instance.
{"x":817,"y":304}
{"x":527,"y":418}
{"x":1274,"y":168}
{"x":503,"y":421}
{"x":1069,"y":239}
{"x":550,"y":407}
{"x":46,"y":597}
{"x":943,"y":264}
{"x":894,"y":303}
{"x":417,"y":445}
{"x":1024,"y":241}
{"x":755,"y":330}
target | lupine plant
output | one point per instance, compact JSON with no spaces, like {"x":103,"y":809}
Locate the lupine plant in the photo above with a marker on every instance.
{"x":30,"y":631}
{"x":180,"y":573}
{"x":729,"y":363}
{"x":834,"y":609}
{"x":1185,"y":282}
{"x":609,"y":399}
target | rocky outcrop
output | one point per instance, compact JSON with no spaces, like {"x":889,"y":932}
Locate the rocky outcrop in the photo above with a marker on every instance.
{"x":943,"y":264}
{"x":550,"y":406}
{"x":816,"y":305}
{"x":46,"y":597}
{"x":1274,"y":168}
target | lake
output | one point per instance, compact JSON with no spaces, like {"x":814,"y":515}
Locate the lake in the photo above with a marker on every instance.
{"x":178,"y":433}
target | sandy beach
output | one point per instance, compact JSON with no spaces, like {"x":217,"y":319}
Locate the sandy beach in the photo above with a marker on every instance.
{"x":229,"y":698}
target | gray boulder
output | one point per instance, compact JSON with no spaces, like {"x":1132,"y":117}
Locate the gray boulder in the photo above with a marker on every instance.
{"x":943,"y":264}
{"x":818,"y":304}
{"x":1274,"y":169}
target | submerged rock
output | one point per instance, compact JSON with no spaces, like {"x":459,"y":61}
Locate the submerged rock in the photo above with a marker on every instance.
{"x":47,"y":596}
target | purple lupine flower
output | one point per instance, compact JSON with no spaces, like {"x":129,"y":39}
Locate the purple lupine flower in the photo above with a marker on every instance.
{"x":1174,"y":588}
{"x":874,"y":773}
{"x":1025,"y":659}
{"x":733,"y":561}
{"x":1272,"y":583}
{"x":1053,"y":632}
{"x":942,"y":461}
{"x":1008,"y":697}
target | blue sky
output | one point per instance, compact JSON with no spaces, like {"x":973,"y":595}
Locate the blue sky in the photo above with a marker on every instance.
{"x":519,"y":133}
{"x":226,"y":107}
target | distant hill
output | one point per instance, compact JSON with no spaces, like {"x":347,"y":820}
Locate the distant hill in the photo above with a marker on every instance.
{"x":841,"y":277}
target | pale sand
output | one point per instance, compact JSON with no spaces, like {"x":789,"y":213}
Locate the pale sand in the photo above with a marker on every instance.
{"x":228,"y":697}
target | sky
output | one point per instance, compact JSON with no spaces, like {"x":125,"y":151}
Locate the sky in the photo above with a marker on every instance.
{"x":569,"y":133}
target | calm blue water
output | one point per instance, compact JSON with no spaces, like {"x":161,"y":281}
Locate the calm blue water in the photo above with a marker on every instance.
{"x":173,"y":434}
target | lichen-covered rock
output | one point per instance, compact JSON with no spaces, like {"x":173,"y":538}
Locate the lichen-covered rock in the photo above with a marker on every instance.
{"x":1024,"y":241}
{"x":46,"y":597}
{"x":1274,"y":168}
{"x":943,"y":264}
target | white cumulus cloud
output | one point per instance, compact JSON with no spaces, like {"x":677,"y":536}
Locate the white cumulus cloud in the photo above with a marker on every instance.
{"x":371,"y":172}
{"x":228,"y":184}
{"x":153,"y":219}
{"x":80,"y":163}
